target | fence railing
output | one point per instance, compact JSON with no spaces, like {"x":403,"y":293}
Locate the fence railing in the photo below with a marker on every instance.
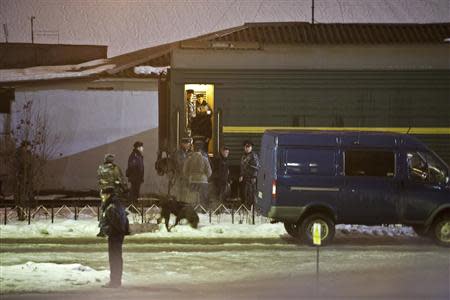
{"x":145,"y":210}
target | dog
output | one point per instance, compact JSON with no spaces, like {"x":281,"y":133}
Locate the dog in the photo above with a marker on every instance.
{"x":181,"y":210}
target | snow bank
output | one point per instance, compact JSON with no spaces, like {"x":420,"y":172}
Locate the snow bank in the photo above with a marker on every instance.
{"x":45,"y":277}
{"x":224,"y":229}
{"x":61,"y":228}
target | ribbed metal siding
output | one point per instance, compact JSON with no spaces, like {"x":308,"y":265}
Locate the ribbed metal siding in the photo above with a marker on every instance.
{"x":306,"y":33}
{"x":329,"y":98}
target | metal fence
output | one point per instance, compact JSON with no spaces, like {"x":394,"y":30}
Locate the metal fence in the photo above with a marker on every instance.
{"x":145,"y":211}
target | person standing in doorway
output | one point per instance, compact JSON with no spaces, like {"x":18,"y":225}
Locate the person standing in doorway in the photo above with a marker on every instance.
{"x":248,"y":172}
{"x":135,"y":171}
{"x":202,"y":122}
{"x":190,"y":110}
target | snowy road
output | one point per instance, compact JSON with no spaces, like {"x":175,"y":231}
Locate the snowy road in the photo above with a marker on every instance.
{"x":355,"y":265}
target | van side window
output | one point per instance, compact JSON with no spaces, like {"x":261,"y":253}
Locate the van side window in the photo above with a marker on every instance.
{"x":309,"y":162}
{"x":369,"y":163}
{"x":425,"y":167}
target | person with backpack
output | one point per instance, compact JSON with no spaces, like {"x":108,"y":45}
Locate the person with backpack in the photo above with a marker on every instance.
{"x":110,"y":181}
{"x":115,"y":225}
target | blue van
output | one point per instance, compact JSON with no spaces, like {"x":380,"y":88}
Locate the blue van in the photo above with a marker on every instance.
{"x":342,"y":177}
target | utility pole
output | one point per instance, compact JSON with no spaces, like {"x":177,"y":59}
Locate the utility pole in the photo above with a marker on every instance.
{"x":5,"y":30}
{"x":32,"y":29}
{"x":312,"y":11}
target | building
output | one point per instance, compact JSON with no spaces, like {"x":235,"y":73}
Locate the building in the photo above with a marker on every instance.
{"x":390,"y":77}
{"x":89,"y":114}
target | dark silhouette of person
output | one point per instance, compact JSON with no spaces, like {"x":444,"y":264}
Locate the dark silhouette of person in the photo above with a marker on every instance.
{"x":135,"y":171}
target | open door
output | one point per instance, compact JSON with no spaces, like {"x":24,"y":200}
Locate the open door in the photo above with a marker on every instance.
{"x":200,"y":114}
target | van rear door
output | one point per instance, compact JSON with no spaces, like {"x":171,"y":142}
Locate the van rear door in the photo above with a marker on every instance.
{"x":307,"y":176}
{"x":266,"y":173}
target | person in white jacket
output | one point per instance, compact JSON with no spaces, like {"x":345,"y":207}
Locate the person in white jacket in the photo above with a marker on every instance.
{"x":198,"y":169}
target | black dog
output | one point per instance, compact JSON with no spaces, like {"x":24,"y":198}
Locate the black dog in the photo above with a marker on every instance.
{"x":181,"y":210}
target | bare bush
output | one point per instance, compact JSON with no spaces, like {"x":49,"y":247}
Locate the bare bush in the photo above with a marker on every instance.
{"x":25,"y":153}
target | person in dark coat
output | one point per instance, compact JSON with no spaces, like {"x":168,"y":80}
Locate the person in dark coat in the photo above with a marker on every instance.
{"x":220,"y":174}
{"x":248,"y":172}
{"x":115,"y":225}
{"x":135,"y":171}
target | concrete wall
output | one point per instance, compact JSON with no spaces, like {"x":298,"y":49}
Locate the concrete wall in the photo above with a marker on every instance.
{"x":397,"y":57}
{"x":92,"y":119}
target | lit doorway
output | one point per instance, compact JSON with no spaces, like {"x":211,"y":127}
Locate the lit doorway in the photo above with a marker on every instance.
{"x":199,"y":112}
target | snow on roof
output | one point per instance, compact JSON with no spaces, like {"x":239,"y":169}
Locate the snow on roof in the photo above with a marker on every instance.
{"x":93,"y":68}
{"x":53,"y":72}
{"x":148,"y":70}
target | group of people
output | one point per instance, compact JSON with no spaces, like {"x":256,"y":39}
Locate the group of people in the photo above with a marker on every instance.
{"x":198,"y":117}
{"x":113,"y":218}
{"x":196,"y":174}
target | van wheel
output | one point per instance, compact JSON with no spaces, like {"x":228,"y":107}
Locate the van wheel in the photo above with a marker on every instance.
{"x":327,"y":225}
{"x":291,"y":229}
{"x":441,"y":230}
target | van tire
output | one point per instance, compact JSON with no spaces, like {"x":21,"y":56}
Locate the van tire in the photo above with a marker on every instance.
{"x":292,"y":229}
{"x":307,"y":225}
{"x":441,"y":230}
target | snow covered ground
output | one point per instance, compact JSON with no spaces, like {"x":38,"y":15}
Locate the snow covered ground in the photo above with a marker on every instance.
{"x":33,"y":276}
{"x":68,"y":256}
{"x":217,"y":228}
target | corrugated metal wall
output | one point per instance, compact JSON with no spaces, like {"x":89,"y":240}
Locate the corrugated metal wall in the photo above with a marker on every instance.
{"x":328,"y":99}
